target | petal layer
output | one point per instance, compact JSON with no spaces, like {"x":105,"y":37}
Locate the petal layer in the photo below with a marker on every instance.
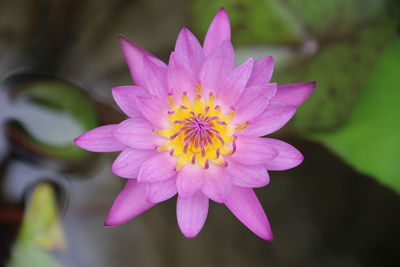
{"x":295,"y":93}
{"x":100,"y":139}
{"x":159,"y":167}
{"x":191,"y":213}
{"x":253,"y":151}
{"x":190,"y":51}
{"x":189,"y":179}
{"x":137,"y":133}
{"x":125,"y":97}
{"x":288,"y":156}
{"x":217,"y":184}
{"x":244,"y":204}
{"x":128,"y":163}
{"x":262,"y":71}
{"x":217,"y":67}
{"x":134,"y":55}
{"x":161,"y":191}
{"x":156,"y":82}
{"x":247,"y":176}
{"x":154,"y":110}
{"x":218,"y":32}
{"x":180,"y":78}
{"x":130,"y":203}
{"x":235,"y":83}
{"x":253,"y":102}
{"x":275,"y":116}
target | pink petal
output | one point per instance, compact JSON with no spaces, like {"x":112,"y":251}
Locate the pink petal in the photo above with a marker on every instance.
{"x":154,"y":110}
{"x":189,"y":179}
{"x":247,"y":176}
{"x":253,"y":150}
{"x":100,"y":139}
{"x":218,"y":32}
{"x":134,"y":58}
{"x":191,"y":213}
{"x":156,"y":81}
{"x":274,"y":117}
{"x":244,"y":204}
{"x":125,"y":97}
{"x":262,"y":71}
{"x":128,"y":163}
{"x":235,"y":83}
{"x":217,"y":67}
{"x":137,"y":133}
{"x":190,"y":51}
{"x":130,"y":203}
{"x":159,"y":167}
{"x":179,"y":77}
{"x":217,"y":184}
{"x":161,"y":191}
{"x":295,"y":93}
{"x":253,"y":102}
{"x":288,"y":156}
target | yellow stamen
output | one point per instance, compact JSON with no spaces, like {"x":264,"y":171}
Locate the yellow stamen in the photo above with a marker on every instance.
{"x":198,"y":135}
{"x":199,"y":89}
{"x":185,"y":99}
{"x":164,"y":147}
{"x":171,"y":101}
{"x":240,"y":127}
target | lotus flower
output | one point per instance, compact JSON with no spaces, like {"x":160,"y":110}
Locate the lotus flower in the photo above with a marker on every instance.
{"x":195,"y":128}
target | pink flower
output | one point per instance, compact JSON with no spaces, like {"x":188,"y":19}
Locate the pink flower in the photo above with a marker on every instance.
{"x":195,"y":128}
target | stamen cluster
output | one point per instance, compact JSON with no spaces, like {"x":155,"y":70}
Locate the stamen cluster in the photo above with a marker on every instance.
{"x":200,"y":131}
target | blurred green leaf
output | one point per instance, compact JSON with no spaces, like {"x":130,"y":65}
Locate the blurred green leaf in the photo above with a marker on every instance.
{"x":252,"y":21}
{"x":40,"y":231}
{"x":340,"y":69}
{"x":25,"y":255}
{"x":53,"y":113}
{"x":335,"y":18}
{"x":41,"y":224}
{"x":336,"y":43}
{"x":370,"y":140}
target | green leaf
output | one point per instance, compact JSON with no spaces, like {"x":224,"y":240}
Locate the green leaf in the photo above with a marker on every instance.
{"x":40,"y":232}
{"x":336,"y":43}
{"x":52,"y":113}
{"x":340,"y":69}
{"x":41,"y":224}
{"x":25,"y":255}
{"x":252,"y":21}
{"x":370,"y":140}
{"x":347,"y":39}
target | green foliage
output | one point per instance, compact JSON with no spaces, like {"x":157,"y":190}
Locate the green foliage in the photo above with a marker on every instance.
{"x":370,"y":140}
{"x":40,"y":231}
{"x":336,"y":43}
{"x":26,"y":255}
{"x":53,"y":113}
{"x":253,"y":21}
{"x":340,"y":69}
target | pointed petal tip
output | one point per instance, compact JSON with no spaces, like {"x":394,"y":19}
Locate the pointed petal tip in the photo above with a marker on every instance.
{"x":189,"y":235}
{"x":267,"y":236}
{"x":222,"y":12}
{"x":108,"y":224}
{"x":111,"y":223}
{"x":76,"y":140}
{"x":122,"y":40}
{"x":184,"y":30}
{"x":80,"y":142}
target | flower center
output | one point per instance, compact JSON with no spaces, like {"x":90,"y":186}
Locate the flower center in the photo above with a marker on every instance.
{"x":200,"y":131}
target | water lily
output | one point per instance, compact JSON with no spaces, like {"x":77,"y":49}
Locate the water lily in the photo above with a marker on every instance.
{"x":195,"y":128}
